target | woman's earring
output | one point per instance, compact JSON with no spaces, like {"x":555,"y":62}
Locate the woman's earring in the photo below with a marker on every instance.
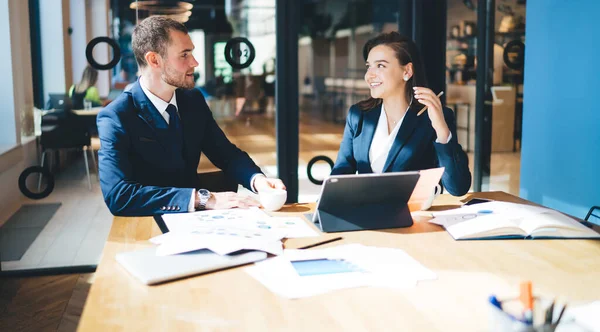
{"x":406,"y":78}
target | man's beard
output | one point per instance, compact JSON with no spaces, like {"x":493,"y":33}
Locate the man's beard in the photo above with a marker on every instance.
{"x":172,"y":77}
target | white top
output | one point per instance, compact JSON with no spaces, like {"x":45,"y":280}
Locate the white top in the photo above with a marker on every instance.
{"x":382,"y":141}
{"x":160,"y":104}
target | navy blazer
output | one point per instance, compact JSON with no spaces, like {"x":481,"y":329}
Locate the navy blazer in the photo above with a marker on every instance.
{"x":140,"y":173}
{"x":413,"y":149}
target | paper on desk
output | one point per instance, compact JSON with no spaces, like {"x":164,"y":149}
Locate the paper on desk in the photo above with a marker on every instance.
{"x":222,"y":241}
{"x":428,"y":179}
{"x":183,"y":222}
{"x":379,"y":267}
{"x":240,"y":219}
{"x":585,"y":316}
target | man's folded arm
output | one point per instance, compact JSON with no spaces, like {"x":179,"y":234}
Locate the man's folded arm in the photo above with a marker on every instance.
{"x":123,"y":196}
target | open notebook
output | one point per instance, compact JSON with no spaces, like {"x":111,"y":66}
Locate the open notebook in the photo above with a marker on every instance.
{"x":501,"y":220}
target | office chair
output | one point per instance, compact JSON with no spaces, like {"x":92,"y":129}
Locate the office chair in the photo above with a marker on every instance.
{"x":63,"y":129}
{"x":595,"y":214}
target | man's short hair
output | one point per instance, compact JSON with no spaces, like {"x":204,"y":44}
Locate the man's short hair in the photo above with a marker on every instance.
{"x":152,"y":35}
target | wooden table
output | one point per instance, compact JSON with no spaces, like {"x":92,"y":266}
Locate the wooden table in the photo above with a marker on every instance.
{"x":468,"y":272}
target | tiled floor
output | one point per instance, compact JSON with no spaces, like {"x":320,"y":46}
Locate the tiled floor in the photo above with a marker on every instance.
{"x":76,"y":233}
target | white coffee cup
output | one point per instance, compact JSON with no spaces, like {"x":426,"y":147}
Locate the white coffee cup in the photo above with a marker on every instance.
{"x":435,"y":193}
{"x":272,"y":199}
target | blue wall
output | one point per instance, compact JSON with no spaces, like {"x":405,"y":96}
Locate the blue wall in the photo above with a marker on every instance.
{"x":560,"y":160}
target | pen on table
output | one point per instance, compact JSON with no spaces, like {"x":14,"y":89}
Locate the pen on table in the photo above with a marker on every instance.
{"x":321,"y":243}
{"x":424,"y":108}
{"x":526,"y":297}
{"x":562,"y":311}
{"x":494,"y":301}
{"x":549,"y":313}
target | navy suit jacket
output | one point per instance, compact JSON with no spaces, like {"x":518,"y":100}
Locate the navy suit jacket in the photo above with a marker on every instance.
{"x":413,"y":149}
{"x":140,"y":171}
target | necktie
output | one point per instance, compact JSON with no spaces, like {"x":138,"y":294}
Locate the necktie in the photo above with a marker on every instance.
{"x":175,"y":131}
{"x":174,"y":124}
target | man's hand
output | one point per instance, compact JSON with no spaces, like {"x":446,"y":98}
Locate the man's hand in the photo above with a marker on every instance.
{"x":229,"y":200}
{"x":261,"y":183}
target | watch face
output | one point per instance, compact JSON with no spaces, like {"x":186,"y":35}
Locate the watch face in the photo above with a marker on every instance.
{"x":204,"y":192}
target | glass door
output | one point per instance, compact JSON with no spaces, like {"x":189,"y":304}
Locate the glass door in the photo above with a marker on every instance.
{"x":331,"y":73}
{"x":235,"y":46}
{"x":484,"y":76}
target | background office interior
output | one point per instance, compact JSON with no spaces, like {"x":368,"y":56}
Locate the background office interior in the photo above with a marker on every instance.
{"x":543,"y":133}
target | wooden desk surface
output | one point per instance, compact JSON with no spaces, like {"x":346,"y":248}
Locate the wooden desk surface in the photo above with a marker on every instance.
{"x":468,"y":272}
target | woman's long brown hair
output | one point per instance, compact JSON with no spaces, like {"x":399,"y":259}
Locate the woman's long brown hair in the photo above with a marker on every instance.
{"x":88,"y":79}
{"x":406,"y":51}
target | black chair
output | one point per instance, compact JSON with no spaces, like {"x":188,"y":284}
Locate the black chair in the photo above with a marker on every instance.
{"x":63,"y":129}
{"x":594,"y":213}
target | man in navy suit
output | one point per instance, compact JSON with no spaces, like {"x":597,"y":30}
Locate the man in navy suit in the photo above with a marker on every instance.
{"x":152,"y":136}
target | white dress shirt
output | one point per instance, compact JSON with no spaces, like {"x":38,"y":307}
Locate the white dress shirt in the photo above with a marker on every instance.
{"x":382,"y":141}
{"x":161,"y":106}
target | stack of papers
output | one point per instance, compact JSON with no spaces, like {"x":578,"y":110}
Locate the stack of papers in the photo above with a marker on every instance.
{"x":585,"y":316}
{"x":303,"y":273}
{"x":228,"y":231}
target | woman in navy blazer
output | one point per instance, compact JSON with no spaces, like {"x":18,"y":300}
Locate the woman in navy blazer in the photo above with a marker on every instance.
{"x":385,"y":134}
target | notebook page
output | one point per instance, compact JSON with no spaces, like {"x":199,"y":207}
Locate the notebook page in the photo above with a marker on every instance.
{"x":484,"y":226}
{"x":553,"y":223}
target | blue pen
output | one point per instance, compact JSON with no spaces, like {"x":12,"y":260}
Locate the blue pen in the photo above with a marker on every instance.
{"x":494,"y":301}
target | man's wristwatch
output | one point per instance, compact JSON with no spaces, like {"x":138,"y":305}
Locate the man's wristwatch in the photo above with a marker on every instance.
{"x":203,"y":196}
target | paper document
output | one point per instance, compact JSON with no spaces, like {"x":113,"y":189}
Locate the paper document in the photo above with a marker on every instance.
{"x":202,"y":219}
{"x":247,"y":219}
{"x":302,"y":273}
{"x":227,"y":231}
{"x":585,"y":316}
{"x":220,"y":241}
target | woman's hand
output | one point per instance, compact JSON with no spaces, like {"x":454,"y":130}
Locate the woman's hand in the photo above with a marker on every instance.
{"x":435,"y":111}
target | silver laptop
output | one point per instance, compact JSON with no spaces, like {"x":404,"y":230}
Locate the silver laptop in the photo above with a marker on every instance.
{"x":151,"y":269}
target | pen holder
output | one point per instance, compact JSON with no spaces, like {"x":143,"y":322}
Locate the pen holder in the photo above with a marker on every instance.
{"x":500,"y":320}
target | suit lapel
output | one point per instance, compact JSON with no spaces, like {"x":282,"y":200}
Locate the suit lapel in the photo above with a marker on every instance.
{"x":406,"y":129}
{"x":150,"y":115}
{"x":370,"y":120}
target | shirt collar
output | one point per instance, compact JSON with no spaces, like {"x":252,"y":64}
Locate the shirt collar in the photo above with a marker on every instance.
{"x":160,"y":104}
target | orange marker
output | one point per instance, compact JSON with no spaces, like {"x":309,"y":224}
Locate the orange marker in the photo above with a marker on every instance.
{"x":526,"y":298}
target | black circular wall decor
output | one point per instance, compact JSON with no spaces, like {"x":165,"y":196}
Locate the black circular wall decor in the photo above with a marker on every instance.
{"x":310,"y":165}
{"x":514,"y":62}
{"x":43,"y":172}
{"x":90,"y":55}
{"x":239,"y":57}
